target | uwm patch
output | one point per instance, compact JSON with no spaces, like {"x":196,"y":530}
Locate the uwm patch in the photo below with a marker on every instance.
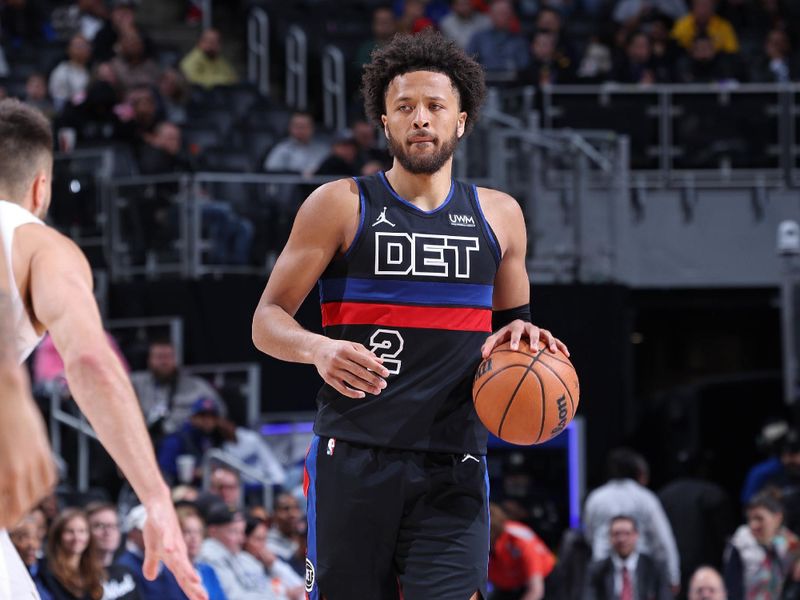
{"x":461,"y":220}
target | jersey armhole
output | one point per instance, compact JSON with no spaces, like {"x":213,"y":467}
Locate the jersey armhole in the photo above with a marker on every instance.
{"x":487,"y":229}
{"x":362,"y":209}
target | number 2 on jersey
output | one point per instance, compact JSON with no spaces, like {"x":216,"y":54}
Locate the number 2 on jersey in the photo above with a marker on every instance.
{"x":387,"y":344}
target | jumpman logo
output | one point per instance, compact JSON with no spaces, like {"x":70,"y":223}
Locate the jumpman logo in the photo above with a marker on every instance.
{"x":469,"y":456}
{"x":382,"y":219}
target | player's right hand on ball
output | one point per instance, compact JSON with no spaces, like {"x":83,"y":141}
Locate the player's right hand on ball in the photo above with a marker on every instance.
{"x":350,"y":368}
{"x":27,"y":473}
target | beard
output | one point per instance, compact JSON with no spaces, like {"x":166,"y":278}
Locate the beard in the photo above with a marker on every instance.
{"x":425,"y":164}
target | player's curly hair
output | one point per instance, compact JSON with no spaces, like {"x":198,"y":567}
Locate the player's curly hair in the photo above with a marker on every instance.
{"x":425,"y":51}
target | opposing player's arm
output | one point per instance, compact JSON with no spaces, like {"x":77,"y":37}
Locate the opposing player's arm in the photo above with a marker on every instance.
{"x":62,"y":299}
{"x":511,"y":284}
{"x":27,"y":473}
{"x":325,"y":225}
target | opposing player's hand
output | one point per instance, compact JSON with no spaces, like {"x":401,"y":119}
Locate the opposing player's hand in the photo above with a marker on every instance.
{"x":27,"y":473}
{"x":516,"y":330}
{"x":163,"y":542}
{"x":350,"y":368}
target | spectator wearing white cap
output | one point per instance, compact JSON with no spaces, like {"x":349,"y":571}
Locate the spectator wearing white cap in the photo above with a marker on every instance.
{"x":164,"y":586}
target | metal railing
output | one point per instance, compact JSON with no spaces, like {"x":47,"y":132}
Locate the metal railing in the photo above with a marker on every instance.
{"x":250,"y":388}
{"x":691,"y":135}
{"x":333,"y":88}
{"x":59,"y":417}
{"x":258,"y":55}
{"x":215,"y":457}
{"x":142,"y":326}
{"x":296,"y":68}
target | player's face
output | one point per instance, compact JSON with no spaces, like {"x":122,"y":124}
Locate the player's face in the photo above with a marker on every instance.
{"x":423,"y":120}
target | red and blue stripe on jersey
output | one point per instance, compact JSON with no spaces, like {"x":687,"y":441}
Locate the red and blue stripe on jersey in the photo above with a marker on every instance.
{"x":403,"y":303}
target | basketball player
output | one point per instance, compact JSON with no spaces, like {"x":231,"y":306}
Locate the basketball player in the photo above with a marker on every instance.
{"x":50,"y":288}
{"x":415,"y":270}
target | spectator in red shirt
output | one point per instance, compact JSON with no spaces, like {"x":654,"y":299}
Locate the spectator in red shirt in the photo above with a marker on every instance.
{"x":519,"y":561}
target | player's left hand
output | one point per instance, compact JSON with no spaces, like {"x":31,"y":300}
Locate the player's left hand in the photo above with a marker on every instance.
{"x":163,"y":542}
{"x":513,"y":333}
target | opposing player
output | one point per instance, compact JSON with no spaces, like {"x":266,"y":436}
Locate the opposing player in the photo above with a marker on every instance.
{"x":415,"y":270}
{"x":50,"y":288}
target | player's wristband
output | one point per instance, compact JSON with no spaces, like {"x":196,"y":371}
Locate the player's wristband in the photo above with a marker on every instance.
{"x":501,"y":318}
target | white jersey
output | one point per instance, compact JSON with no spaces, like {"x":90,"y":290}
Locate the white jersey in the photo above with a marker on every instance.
{"x":26,"y":339}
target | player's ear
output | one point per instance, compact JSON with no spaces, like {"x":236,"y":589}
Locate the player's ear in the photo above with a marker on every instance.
{"x":384,"y":122}
{"x":462,"y":124}
{"x":40,"y":190}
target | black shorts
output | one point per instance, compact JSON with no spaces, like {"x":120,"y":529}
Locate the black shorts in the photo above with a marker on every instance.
{"x":381,"y":521}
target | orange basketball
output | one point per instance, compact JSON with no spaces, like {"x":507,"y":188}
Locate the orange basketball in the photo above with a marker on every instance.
{"x":525,"y":397}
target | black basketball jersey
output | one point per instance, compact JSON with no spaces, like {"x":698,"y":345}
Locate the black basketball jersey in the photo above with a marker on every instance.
{"x":415,"y":287}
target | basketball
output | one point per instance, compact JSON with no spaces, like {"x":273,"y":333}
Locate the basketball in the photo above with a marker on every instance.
{"x":525,"y":397}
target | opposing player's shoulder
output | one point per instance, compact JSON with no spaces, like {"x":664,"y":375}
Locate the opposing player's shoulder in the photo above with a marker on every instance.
{"x":44,"y":242}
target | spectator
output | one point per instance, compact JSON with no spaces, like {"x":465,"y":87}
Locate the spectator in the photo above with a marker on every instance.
{"x":194,"y":438}
{"x":300,"y":152}
{"x":205,"y":65}
{"x":193,"y":530}
{"x":121,"y":18}
{"x":284,"y":534}
{"x":633,"y":13}
{"x":760,"y":554}
{"x":499,"y":49}
{"x":242,"y":577}
{"x":140,"y":114}
{"x":284,"y":579}
{"x":412,"y":18}
{"x":518,"y":561}
{"x":227,"y":486}
{"x":343,"y":159}
{"x":780,"y":470}
{"x":132,"y":65}
{"x":174,"y":94}
{"x":626,"y":574}
{"x":550,"y":20}
{"x":463,"y":22}
{"x":368,"y":150}
{"x":70,"y":78}
{"x":704,"y":64}
{"x":775,"y":65}
{"x":249,"y":447}
{"x":624,"y":493}
{"x":94,"y":120}
{"x":164,"y":586}
{"x":702,"y":519}
{"x":72,"y":571}
{"x":547,"y":65}
{"x":596,"y":61}
{"x":665,"y":51}
{"x":162,"y":151}
{"x":384,"y":26}
{"x":23,"y":22}
{"x":165,"y":392}
{"x":91,"y":16}
{"x":706,"y":584}
{"x":636,"y":65}
{"x":27,"y":540}
{"x":703,"y":20}
{"x":118,"y":582}
{"x":36,"y":94}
